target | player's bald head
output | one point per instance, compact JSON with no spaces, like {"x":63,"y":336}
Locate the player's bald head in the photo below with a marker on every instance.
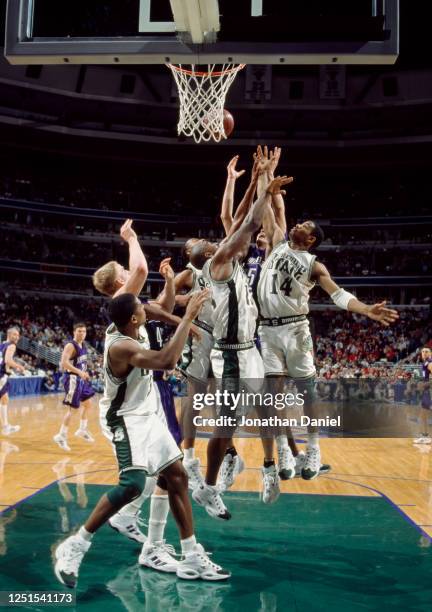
{"x":202,"y":251}
{"x":188,"y":246}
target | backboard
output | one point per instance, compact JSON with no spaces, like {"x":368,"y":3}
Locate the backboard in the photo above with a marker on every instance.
{"x":202,"y":31}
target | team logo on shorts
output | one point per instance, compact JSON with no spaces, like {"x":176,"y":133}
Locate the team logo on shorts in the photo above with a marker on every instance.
{"x":119,"y":434}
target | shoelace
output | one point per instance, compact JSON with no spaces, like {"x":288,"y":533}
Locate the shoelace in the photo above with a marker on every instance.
{"x":312,"y":456}
{"x":204,"y":556}
{"x":228,"y":468}
{"x":218,"y":501}
{"x":73,"y":558}
{"x":168,"y":548}
{"x":140,"y":521}
{"x":195,"y":469}
{"x":283,"y":457}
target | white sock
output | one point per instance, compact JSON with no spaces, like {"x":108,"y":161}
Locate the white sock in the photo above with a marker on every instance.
{"x":64,"y":431}
{"x":189,"y":454}
{"x":282,"y":442}
{"x":134,"y":506}
{"x":159,"y":508}
{"x":4,"y":415}
{"x":188,"y":544}
{"x":83,"y":424}
{"x":313,"y":440}
{"x":84,"y":534}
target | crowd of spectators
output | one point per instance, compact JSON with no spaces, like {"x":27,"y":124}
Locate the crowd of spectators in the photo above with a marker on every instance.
{"x":348,"y":347}
{"x":352,"y":346}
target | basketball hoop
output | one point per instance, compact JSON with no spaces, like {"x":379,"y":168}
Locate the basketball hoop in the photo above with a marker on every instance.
{"x":202,"y":99}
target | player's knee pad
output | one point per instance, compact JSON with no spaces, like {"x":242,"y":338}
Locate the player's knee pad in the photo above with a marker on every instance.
{"x":130,"y":486}
{"x":307,"y":388}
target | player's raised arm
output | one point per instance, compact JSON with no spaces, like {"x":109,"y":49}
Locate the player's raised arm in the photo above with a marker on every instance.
{"x":9,"y":359}
{"x":269,"y":160}
{"x":166,"y":299}
{"x":274,"y":233}
{"x":228,"y":196}
{"x":347,"y":301}
{"x":244,"y":206}
{"x":167,"y":357}
{"x":238,"y":242}
{"x":66,"y":364}
{"x":138,"y":268}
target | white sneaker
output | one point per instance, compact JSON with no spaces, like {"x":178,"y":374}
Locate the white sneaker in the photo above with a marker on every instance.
{"x":127,"y":525}
{"x":422,"y":440}
{"x":193,"y":470}
{"x":208,"y":496}
{"x":61,"y":441}
{"x":69,"y":555}
{"x":10,"y":429}
{"x":286,"y":463}
{"x":230,"y":468}
{"x":198,"y":565}
{"x":270,"y":490}
{"x":312,"y":464}
{"x":325,"y":468}
{"x":159,"y":556}
{"x":84,"y":434}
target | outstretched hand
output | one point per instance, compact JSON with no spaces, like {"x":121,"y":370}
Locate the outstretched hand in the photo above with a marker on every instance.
{"x":231,"y":169}
{"x":126,"y":231}
{"x":275,"y":186}
{"x":265,"y":160}
{"x":379,"y":312}
{"x":165,"y":269}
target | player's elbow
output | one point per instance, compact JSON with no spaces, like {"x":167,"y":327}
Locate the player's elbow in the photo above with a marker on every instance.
{"x":167,"y":362}
{"x":142,"y":268}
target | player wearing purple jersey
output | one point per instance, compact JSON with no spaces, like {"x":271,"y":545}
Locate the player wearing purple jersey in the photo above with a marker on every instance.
{"x":78,"y":390}
{"x":7,"y":363}
{"x":426,"y":403}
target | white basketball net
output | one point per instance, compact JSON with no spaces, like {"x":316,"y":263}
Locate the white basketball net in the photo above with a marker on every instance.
{"x":202,"y":99}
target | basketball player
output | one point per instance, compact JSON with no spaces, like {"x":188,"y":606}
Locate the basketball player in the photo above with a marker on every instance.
{"x":234,"y":355}
{"x":426,"y":357}
{"x":78,"y":390}
{"x":288,"y":275}
{"x":251,"y":262}
{"x":144,"y":446}
{"x":7,"y":363}
{"x":113,"y":280}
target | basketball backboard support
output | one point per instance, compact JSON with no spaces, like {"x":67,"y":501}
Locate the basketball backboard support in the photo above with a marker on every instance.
{"x":194,"y":36}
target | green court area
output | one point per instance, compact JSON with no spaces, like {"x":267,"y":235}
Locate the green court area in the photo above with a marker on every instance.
{"x":307,"y":552}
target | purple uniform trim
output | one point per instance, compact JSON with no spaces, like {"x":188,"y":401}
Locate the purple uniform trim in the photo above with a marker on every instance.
{"x":167,"y":399}
{"x":155,"y":331}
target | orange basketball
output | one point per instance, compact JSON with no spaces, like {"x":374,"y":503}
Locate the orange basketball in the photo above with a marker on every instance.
{"x":228,"y":122}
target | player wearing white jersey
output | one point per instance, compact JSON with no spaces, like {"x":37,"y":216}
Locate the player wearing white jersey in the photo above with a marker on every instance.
{"x":234,"y":355}
{"x":112,"y":279}
{"x":144,"y":445}
{"x":287,"y":277}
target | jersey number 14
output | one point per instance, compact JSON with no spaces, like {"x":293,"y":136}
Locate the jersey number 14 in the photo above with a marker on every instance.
{"x":285,"y":286}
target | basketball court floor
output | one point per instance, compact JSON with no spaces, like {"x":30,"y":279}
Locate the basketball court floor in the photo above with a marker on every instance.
{"x":358,"y":538}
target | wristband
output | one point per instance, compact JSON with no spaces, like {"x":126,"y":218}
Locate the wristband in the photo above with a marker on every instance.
{"x":342,"y":298}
